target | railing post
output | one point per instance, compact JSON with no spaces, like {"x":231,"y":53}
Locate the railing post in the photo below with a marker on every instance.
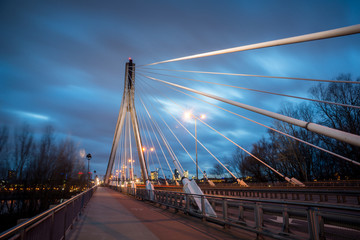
{"x":313,"y":223}
{"x":225,"y":212}
{"x":285,"y":224}
{"x":225,"y":209}
{"x":203,"y":212}
{"x":22,"y":234}
{"x":52,"y":225}
{"x":187,"y":203}
{"x":72,"y":215}
{"x":241,"y":213}
{"x":167,"y":201}
{"x":258,"y":220}
{"x":65,"y":214}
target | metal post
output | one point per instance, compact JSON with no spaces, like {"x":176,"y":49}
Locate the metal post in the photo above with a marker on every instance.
{"x":203,"y":212}
{"x":313,"y":223}
{"x":88,"y":156}
{"x":197,"y":170}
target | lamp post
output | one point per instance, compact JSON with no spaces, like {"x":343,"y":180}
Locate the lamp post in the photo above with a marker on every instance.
{"x":147,"y":155}
{"x":196,"y":155}
{"x":88,"y":156}
{"x":131,"y":170}
{"x":202,"y":116}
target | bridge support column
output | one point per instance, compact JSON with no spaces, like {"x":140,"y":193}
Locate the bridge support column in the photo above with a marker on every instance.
{"x":128,"y":105}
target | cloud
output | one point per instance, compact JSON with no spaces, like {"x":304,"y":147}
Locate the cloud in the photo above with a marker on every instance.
{"x":63,"y":64}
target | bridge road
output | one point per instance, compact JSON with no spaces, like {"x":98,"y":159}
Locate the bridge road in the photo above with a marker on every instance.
{"x":112,"y":215}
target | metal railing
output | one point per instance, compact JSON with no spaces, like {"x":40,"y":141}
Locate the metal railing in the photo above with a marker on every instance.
{"x":53,"y":223}
{"x":343,"y":196}
{"x":277,"y":219}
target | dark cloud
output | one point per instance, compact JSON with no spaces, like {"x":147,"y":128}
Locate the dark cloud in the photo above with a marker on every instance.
{"x":63,"y":64}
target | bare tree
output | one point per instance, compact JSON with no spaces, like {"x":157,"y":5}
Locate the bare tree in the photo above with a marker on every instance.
{"x":342,"y":118}
{"x":295,"y":158}
{"x":4,"y":151}
{"x":23,"y":144}
{"x":43,"y":163}
{"x":299,"y":160}
{"x":217,"y":170}
{"x":66,"y":168}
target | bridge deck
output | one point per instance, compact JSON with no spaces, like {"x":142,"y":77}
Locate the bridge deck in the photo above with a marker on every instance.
{"x":112,"y":215}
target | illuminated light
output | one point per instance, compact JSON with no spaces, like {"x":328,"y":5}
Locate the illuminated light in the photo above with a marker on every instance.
{"x":82,"y":153}
{"x":188,"y":115}
{"x":202,"y":116}
{"x":129,"y":160}
{"x":80,"y":173}
{"x":152,"y":149}
{"x":130,"y":59}
{"x":144,"y":149}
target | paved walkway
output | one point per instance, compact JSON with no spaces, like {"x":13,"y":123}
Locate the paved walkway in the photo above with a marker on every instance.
{"x":112,"y":215}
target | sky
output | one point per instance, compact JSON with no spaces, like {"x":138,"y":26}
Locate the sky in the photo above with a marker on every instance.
{"x":62,"y":64}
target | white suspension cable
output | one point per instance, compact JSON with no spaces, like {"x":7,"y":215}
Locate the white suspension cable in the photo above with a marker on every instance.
{"x":259,"y":76}
{"x":152,"y":143}
{"x":149,"y":116}
{"x":123,"y":155}
{"x":181,"y":144}
{"x":171,"y":151}
{"x":177,"y":137}
{"x":249,"y":153}
{"x":144,"y":124}
{"x":273,"y":129}
{"x":203,"y":146}
{"x":120,"y":155}
{"x":146,"y":141}
{"x":326,"y":131}
{"x":175,"y":161}
{"x":131,"y":170}
{"x":261,"y":91}
{"x":285,"y":41}
{"x":124,"y":164}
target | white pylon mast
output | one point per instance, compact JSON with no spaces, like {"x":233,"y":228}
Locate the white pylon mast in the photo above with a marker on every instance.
{"x":127,"y":105}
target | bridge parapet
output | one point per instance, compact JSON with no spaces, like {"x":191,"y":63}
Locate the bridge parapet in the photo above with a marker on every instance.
{"x":53,"y":223}
{"x":279,"y":219}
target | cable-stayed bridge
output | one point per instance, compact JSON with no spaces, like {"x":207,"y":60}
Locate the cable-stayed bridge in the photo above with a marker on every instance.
{"x":155,"y":145}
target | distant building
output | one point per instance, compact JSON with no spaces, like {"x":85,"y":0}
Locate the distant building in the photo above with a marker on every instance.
{"x":11,"y":175}
{"x":154,"y":175}
{"x":177,"y":175}
{"x":186,"y":174}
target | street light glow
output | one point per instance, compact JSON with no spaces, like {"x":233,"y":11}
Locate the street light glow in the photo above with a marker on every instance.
{"x":188,"y":115}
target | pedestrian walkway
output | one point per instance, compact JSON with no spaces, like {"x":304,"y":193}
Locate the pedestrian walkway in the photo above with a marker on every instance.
{"x":112,"y":215}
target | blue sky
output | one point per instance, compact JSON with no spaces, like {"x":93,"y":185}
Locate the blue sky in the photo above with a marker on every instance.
{"x":62,"y":63}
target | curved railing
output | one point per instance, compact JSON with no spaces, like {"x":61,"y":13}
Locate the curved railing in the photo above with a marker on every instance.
{"x":53,"y":223}
{"x":279,"y":219}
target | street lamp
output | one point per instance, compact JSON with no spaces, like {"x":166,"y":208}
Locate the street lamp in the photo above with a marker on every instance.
{"x":88,"y":156}
{"x":131,"y":170}
{"x":202,"y":116}
{"x":147,"y":155}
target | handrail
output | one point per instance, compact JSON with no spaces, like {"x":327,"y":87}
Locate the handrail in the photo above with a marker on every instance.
{"x":251,"y":214}
{"x":37,"y":219}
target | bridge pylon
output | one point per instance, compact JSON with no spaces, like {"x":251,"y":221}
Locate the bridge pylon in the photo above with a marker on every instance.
{"x":128,"y":105}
